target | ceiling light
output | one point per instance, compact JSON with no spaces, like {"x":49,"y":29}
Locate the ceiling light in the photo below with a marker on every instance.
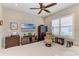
{"x":16,"y":4}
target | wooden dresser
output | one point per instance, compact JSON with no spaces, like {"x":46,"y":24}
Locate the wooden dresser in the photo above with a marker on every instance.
{"x":12,"y":41}
{"x":28,"y":39}
{"x":25,"y":40}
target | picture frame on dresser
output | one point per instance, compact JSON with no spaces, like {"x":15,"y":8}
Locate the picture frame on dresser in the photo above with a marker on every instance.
{"x":13,"y":26}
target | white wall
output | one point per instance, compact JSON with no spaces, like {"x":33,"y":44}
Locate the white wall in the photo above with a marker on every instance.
{"x":1,"y":26}
{"x":18,"y":17}
{"x":71,"y":10}
{"x":9,"y":15}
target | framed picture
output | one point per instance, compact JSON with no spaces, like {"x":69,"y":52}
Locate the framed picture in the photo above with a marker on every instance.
{"x":1,"y":22}
{"x":13,"y":26}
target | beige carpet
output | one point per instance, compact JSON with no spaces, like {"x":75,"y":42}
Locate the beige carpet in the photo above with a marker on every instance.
{"x":39,"y":49}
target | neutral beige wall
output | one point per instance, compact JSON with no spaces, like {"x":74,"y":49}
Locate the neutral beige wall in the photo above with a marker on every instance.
{"x":71,"y":10}
{"x":1,"y":26}
{"x":18,"y":17}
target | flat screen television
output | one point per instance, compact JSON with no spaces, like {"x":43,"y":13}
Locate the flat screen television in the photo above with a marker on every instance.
{"x":27,"y":26}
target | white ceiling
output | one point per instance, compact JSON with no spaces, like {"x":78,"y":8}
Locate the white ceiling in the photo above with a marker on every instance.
{"x":24,"y":7}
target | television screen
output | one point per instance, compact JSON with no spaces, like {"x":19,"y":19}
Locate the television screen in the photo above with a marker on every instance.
{"x":43,"y":29}
{"x":27,"y":26}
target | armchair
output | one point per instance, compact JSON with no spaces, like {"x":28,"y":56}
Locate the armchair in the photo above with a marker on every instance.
{"x":48,"y":39}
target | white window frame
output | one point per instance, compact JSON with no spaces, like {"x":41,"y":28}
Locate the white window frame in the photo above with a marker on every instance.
{"x":60,"y":26}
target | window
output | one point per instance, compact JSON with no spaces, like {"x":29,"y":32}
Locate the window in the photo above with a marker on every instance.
{"x":66,"y":26}
{"x":62,"y":26}
{"x":55,"y":27}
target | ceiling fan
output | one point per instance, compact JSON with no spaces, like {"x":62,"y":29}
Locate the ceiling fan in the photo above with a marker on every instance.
{"x":43,"y":7}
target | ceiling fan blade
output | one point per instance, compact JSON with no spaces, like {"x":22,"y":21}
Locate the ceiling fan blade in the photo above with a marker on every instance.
{"x":34,"y":8}
{"x":47,"y":11}
{"x":40,"y":11}
{"x":52,"y":4}
{"x":41,"y":5}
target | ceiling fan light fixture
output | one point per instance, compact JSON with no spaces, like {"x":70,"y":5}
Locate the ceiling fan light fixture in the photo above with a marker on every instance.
{"x":44,"y":8}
